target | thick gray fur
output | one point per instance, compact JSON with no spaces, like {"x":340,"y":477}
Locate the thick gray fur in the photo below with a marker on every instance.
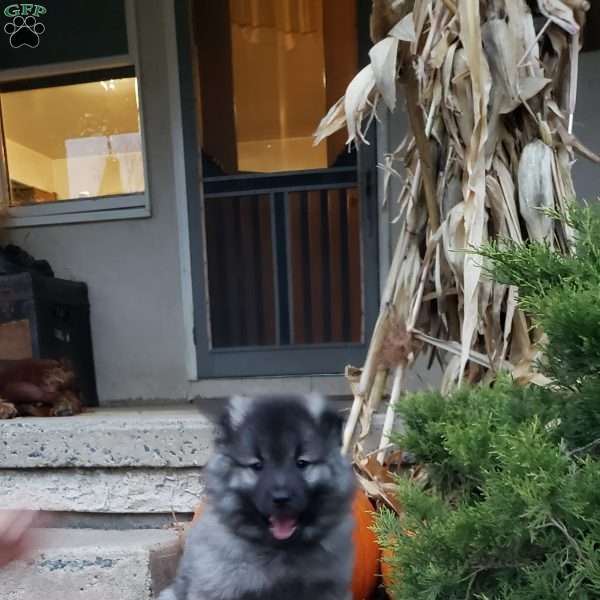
{"x":230,"y":556}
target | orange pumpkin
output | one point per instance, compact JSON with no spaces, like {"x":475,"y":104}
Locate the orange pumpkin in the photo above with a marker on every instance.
{"x":386,"y":568}
{"x":366,"y":549}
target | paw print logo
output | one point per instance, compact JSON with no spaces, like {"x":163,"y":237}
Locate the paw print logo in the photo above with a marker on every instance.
{"x":24,"y":31}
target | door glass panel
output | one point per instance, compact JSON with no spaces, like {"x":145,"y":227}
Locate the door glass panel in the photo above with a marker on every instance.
{"x":280,"y":64}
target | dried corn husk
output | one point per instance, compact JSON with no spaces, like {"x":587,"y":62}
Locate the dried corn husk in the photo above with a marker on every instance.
{"x":490,"y":101}
{"x":535,"y":190}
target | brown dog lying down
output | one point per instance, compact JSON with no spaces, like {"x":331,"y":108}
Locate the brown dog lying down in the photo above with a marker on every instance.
{"x":39,"y":388}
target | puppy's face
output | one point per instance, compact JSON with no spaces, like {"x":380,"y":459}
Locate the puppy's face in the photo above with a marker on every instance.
{"x":278,"y":476}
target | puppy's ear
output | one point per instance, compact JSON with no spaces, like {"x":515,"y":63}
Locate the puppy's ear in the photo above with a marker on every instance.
{"x":232,"y":418}
{"x":330,"y":422}
{"x":332,"y":425}
{"x":223,"y":432}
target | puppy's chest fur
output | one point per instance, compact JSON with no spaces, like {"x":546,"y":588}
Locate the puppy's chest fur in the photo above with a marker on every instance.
{"x":221,"y":567}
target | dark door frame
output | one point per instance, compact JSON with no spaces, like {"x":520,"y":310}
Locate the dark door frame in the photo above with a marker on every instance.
{"x":257,"y":361}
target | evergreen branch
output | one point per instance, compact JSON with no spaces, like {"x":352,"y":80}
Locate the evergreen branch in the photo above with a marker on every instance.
{"x":488,"y":567}
{"x":472,"y":579}
{"x":562,"y":528}
{"x":585,"y":449}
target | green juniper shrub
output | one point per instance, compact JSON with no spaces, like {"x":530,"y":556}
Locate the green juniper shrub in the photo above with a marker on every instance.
{"x":511,"y":506}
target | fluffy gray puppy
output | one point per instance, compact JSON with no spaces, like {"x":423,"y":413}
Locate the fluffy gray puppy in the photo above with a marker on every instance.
{"x":278,"y":521}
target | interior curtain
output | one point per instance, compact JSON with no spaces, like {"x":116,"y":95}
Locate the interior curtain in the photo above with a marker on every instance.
{"x":85,"y":162}
{"x":127,"y":148}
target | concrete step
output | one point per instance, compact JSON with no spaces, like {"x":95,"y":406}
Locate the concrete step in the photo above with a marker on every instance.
{"x":143,"y":461}
{"x":130,"y":491}
{"x":95,"y":565}
{"x":147,"y":437}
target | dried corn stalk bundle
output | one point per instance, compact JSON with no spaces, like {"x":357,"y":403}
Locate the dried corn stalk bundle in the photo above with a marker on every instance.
{"x":490,"y":91}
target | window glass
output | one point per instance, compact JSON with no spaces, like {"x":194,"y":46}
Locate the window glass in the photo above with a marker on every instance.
{"x":73,"y":141}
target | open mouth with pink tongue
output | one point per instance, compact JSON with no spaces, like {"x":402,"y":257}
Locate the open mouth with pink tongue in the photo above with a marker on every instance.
{"x":282,"y":528}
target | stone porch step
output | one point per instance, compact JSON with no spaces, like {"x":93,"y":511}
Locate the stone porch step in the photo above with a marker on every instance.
{"x":116,"y":491}
{"x":148,"y":437}
{"x":95,"y":565}
{"x":142,"y":461}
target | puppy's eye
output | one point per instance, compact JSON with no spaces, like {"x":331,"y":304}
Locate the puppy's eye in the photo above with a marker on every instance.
{"x":257,"y":465}
{"x":302,"y":464}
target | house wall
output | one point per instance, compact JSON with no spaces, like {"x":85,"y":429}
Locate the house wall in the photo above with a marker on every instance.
{"x":587,"y":125}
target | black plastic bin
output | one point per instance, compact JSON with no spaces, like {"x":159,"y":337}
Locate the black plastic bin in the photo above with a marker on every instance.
{"x":58,"y":313}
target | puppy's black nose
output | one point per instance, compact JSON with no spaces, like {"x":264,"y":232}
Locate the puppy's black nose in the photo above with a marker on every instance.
{"x":280,"y":497}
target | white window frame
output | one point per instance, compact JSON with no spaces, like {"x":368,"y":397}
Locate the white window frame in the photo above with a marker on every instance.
{"x":100,"y":208}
